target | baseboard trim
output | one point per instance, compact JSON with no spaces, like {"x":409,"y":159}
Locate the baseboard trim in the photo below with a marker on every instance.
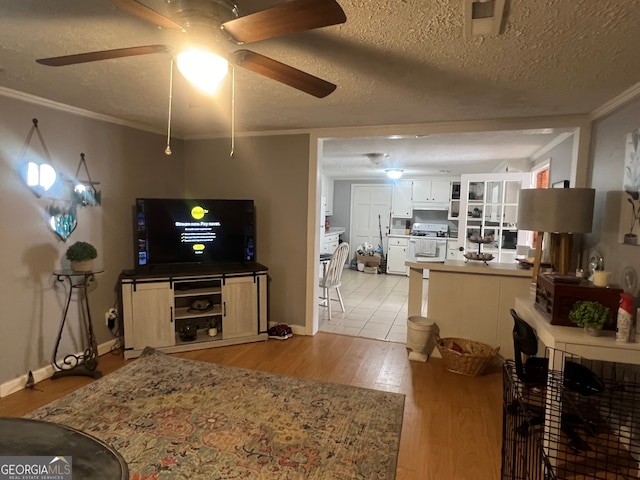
{"x":43,"y":373}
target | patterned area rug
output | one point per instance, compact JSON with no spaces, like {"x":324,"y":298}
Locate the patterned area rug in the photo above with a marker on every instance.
{"x":184,"y":419}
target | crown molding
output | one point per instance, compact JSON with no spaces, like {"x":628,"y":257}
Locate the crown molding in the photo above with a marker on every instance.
{"x":62,"y":107}
{"x":616,"y":103}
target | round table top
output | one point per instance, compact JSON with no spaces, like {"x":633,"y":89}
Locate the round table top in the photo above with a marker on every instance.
{"x":67,"y":272}
{"x":91,"y":458}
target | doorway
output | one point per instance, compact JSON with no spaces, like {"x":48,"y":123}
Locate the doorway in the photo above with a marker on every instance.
{"x":370,"y":215}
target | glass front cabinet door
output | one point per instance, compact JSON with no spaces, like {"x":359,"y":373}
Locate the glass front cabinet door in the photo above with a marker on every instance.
{"x":488,"y":214}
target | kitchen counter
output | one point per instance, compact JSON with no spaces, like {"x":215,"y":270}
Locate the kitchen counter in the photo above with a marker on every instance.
{"x":470,"y":299}
{"x":334,"y":230}
{"x":471,"y":267}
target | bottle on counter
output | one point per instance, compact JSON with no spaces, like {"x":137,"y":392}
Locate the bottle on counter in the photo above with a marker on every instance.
{"x":624,"y":326}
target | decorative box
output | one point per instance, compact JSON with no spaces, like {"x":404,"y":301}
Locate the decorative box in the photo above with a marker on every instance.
{"x":556,"y":295}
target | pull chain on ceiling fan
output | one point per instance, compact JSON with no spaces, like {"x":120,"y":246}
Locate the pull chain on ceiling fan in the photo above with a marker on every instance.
{"x":191,"y":15}
{"x":167,"y":150}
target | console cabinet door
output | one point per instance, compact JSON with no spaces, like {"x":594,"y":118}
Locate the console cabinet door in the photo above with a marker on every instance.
{"x":239,"y":307}
{"x":148,"y":315}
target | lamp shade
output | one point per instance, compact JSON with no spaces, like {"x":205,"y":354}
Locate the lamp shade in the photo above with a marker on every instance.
{"x":558,"y":210}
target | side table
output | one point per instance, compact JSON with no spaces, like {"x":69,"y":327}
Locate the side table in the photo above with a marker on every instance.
{"x":91,"y":458}
{"x":86,"y":362}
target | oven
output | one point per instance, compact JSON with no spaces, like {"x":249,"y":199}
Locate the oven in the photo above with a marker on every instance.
{"x":428,"y":243}
{"x":424,"y":249}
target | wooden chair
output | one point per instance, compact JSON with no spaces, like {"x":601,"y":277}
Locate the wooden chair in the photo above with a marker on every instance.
{"x":333,"y":275}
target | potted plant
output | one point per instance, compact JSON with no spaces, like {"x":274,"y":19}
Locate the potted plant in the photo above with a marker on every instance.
{"x":81,"y":256}
{"x":632,"y":238}
{"x":591,"y":315}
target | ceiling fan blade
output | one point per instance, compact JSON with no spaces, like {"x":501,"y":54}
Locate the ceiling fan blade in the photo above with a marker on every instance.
{"x":139,"y":10}
{"x":102,"y":55}
{"x":285,"y":18}
{"x":283,"y":73}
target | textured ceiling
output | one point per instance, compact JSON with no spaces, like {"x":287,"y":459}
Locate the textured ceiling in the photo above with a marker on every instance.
{"x":435,"y":155}
{"x":394,"y":61}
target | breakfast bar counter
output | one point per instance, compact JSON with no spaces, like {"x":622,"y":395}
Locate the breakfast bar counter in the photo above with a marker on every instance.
{"x":470,"y":299}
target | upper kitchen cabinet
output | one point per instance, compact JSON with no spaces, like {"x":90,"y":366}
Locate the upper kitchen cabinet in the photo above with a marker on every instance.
{"x":401,"y":202}
{"x":454,"y":201}
{"x":327,"y":193}
{"x":426,"y":193}
{"x":489,"y":211}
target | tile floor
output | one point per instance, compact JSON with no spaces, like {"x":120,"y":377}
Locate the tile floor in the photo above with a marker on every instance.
{"x":375,"y":307}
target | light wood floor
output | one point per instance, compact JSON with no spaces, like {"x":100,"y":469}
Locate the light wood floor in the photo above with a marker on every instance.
{"x":452,"y":423}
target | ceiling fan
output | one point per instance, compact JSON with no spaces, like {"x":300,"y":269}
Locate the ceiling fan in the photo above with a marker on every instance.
{"x":217,"y":24}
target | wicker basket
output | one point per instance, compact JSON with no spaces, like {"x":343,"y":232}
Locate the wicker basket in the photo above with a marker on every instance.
{"x":472,"y":361}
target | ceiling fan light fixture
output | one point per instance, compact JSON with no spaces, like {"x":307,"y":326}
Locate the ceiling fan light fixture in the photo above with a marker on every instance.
{"x":394,"y":173}
{"x":377,"y":158}
{"x":205,"y":70}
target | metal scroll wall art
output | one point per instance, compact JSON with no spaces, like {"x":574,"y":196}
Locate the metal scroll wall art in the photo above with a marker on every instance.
{"x":66,"y":194}
{"x":630,"y":209}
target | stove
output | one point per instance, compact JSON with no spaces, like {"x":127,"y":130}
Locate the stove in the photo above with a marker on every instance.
{"x":440,"y":230}
{"x":428,"y":243}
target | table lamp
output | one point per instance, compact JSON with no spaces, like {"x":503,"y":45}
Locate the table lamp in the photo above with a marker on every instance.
{"x":556,"y":210}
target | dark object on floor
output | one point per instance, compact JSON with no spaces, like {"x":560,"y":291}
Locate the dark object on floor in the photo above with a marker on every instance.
{"x":533,"y":373}
{"x":280,"y":332}
{"x":30,"y":380}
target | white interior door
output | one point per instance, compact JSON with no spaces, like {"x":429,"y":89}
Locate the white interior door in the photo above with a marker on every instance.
{"x":367,"y":202}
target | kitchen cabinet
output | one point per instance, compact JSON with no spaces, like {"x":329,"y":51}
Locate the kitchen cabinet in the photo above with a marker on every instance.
{"x":454,"y":201}
{"x":453,"y":251}
{"x":401,"y":199}
{"x":397,"y":255}
{"x":481,"y":312}
{"x":489,"y":210}
{"x":327,"y":193}
{"x":224,"y":307}
{"x":331,"y":241}
{"x":431,"y":191}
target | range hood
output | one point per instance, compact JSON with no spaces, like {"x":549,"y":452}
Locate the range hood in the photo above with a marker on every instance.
{"x":431,"y":206}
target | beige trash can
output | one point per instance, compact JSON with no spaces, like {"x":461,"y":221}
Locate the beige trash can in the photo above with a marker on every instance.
{"x":419,"y":334}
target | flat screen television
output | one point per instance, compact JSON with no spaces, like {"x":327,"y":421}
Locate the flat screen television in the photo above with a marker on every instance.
{"x":177,"y":232}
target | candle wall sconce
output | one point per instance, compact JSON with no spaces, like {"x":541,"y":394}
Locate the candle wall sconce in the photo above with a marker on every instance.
{"x":37,"y":172}
{"x":40,"y":175}
{"x":84,"y":193}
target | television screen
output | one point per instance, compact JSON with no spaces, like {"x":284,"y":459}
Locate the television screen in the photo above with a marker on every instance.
{"x":193,"y":231}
